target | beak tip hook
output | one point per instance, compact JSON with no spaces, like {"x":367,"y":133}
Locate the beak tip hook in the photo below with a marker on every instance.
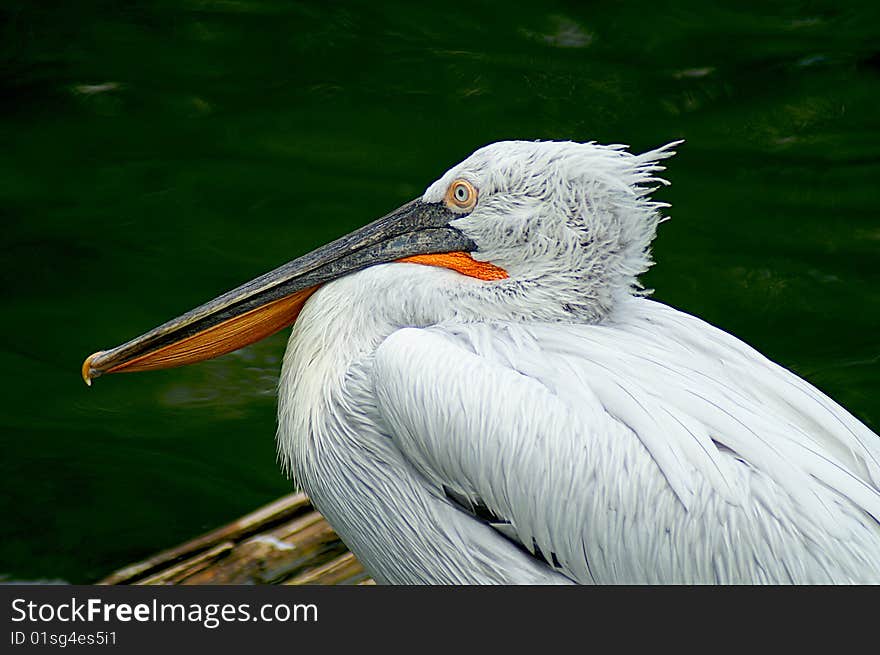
{"x":87,"y":372}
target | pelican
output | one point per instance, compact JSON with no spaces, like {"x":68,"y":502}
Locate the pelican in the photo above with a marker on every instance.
{"x":477,"y":389}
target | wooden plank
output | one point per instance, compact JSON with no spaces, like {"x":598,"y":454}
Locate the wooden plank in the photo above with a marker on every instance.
{"x":177,"y":573}
{"x":283,"y":542}
{"x":266,"y":516}
{"x":345,"y":569}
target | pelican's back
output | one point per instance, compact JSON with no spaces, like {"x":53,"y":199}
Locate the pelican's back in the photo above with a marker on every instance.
{"x":651,"y":448}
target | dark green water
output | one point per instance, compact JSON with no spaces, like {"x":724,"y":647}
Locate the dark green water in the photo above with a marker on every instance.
{"x":154,"y":154}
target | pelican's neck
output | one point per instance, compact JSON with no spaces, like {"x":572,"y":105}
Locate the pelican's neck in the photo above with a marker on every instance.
{"x":331,"y":437}
{"x":343,"y":322}
{"x":347,"y":319}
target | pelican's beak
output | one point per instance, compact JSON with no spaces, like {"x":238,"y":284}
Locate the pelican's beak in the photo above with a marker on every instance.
{"x":417,"y":232}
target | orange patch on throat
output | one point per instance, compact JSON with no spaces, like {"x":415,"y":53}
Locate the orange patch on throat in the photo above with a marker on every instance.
{"x":461,"y":262}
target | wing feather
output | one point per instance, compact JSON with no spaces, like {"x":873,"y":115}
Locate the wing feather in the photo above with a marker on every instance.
{"x":605,"y":444}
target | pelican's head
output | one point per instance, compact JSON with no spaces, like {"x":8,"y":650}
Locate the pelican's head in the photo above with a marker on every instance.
{"x":570,"y":223}
{"x":552,"y":230}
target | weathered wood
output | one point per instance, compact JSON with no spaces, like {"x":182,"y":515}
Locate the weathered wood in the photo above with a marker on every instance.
{"x":177,"y":573}
{"x":284,"y":542}
{"x":341,"y":570}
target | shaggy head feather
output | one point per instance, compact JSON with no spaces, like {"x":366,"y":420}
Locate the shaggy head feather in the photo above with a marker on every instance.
{"x":572,"y":223}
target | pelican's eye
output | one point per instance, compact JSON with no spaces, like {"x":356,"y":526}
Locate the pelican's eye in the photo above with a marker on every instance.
{"x":461,"y":196}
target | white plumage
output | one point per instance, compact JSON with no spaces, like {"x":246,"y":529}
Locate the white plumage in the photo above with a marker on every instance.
{"x":556,"y":426}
